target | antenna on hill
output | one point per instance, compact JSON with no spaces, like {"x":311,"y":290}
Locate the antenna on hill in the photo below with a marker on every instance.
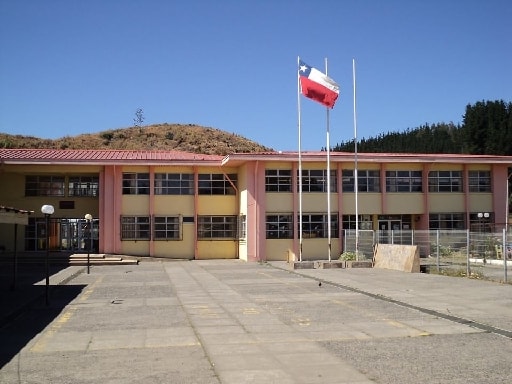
{"x":139,"y":119}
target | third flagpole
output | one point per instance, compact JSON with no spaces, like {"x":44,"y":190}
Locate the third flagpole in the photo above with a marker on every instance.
{"x":355,"y":159}
{"x":328,"y":180}
{"x":300,"y":163}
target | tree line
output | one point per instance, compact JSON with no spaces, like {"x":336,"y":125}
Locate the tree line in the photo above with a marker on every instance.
{"x":486,"y":129}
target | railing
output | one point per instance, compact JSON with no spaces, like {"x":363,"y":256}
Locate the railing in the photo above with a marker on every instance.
{"x":473,"y":254}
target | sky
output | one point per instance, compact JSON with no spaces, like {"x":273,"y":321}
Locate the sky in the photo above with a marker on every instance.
{"x":69,"y":67}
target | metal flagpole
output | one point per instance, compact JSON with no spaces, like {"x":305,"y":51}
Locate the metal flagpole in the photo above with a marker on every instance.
{"x":300,"y":162}
{"x":355,"y":159}
{"x":328,"y":181}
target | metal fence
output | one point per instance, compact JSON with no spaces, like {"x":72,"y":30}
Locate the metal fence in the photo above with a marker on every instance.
{"x":486,"y":255}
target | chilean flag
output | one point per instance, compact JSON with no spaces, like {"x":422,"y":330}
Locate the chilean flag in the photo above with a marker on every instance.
{"x":317,"y":86}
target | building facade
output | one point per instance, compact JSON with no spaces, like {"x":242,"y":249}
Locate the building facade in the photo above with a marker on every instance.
{"x":189,"y":206}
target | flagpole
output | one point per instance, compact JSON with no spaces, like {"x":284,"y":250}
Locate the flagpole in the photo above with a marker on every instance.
{"x":355,"y":159}
{"x":328,"y":178}
{"x":300,"y":162}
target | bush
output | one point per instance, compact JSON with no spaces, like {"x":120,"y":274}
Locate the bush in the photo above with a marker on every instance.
{"x":348,"y":256}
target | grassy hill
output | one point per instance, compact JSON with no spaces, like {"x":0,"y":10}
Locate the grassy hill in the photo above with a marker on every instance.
{"x":181,"y":137}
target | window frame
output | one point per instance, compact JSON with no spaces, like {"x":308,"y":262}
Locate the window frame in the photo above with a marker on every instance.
{"x":136,"y":183}
{"x":440,"y":220}
{"x":217,"y":227}
{"x":45,"y":185}
{"x":278,"y":180}
{"x":479,"y":181}
{"x":216,"y":184}
{"x":279,"y":226}
{"x":315,"y":225}
{"x":309,"y":175}
{"x":444,"y":181}
{"x":365,"y":180}
{"x":404,"y":181}
{"x":87,"y":185}
{"x":135,"y":227}
{"x":173,"y":184}
{"x":165,"y":225}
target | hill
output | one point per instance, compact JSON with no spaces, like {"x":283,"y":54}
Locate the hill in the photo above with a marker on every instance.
{"x":181,"y":137}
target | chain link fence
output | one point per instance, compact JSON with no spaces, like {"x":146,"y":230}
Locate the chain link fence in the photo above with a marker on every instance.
{"x":486,"y":255}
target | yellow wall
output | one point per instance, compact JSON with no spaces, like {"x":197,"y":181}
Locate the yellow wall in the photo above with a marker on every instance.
{"x":217,"y":250}
{"x":480,"y":202}
{"x":404,"y":203}
{"x":318,"y":249}
{"x":217,"y":205}
{"x":135,"y":248}
{"x":368,"y":202}
{"x":279,"y":202}
{"x":279,"y":250}
{"x":174,"y":204}
{"x":446,"y":202}
{"x":135,"y":205}
{"x":317,"y":202}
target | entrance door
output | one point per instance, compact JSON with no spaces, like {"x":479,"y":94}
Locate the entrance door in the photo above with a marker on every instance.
{"x":74,"y":233}
{"x":385,"y":230}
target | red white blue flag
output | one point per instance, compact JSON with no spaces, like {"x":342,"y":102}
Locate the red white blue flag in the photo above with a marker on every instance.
{"x":317,"y":86}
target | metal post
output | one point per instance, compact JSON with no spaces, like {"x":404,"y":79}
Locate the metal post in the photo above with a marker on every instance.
{"x":47,"y":261}
{"x":437,"y":249}
{"x":47,"y":210}
{"x":468,"y":266}
{"x":88,"y":217}
{"x":504,"y":252}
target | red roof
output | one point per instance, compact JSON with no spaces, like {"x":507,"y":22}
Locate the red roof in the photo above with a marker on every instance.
{"x":316,"y":156}
{"x":101,"y":156}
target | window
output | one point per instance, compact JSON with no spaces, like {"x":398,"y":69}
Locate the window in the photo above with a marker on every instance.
{"x":135,"y":183}
{"x":481,"y":221}
{"x":317,"y":226}
{"x":44,"y":185}
{"x":216,"y":227}
{"x":242,"y":227}
{"x":365,"y":222}
{"x":167,"y":228}
{"x":315,"y":180}
{"x":403,"y":181}
{"x":278,"y":180}
{"x":86,"y":186}
{"x":135,"y":228}
{"x":445,"y":181}
{"x":479,"y":181}
{"x":446,"y":221}
{"x":367,"y":180}
{"x":174,"y":184}
{"x":279,"y":226}
{"x":216,"y":184}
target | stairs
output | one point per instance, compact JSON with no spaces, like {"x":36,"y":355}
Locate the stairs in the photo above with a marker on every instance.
{"x":66,"y":258}
{"x":100,"y":259}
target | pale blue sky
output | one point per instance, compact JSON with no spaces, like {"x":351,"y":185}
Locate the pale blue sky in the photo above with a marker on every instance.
{"x":69,"y":67}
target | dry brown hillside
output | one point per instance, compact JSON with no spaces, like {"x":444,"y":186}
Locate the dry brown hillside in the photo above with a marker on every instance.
{"x":181,"y":137}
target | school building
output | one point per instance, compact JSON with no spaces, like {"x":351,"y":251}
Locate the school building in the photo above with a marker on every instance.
{"x":180,"y":205}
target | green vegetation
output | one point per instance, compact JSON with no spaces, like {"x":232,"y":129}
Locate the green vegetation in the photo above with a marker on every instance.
{"x":486,"y":130}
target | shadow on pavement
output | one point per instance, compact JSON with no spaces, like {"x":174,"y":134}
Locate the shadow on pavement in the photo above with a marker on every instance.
{"x":19,"y":331}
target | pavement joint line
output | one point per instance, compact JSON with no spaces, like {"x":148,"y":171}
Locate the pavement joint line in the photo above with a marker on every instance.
{"x":189,"y":319}
{"x":456,"y":319}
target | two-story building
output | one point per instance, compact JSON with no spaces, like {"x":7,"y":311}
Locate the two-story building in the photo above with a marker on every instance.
{"x":191,"y":206}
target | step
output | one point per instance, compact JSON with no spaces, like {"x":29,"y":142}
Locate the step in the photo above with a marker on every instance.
{"x":113,"y":261}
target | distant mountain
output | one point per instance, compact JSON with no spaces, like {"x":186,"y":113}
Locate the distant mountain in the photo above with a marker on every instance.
{"x":181,"y":137}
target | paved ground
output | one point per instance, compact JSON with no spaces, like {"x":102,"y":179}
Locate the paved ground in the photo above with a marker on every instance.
{"x":234,"y":322}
